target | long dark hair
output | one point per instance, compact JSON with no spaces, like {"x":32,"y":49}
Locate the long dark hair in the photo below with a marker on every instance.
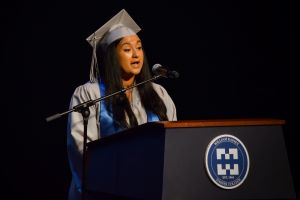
{"x":118,"y":105}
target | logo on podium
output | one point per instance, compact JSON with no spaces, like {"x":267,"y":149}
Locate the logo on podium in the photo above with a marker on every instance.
{"x":227,"y":161}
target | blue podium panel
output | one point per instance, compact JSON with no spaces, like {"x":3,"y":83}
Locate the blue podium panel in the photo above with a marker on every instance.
{"x":185,"y":174}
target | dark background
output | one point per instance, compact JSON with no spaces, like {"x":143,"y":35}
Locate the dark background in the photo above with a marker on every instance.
{"x":236,"y":59}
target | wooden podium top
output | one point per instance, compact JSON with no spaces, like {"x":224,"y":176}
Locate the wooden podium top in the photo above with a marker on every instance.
{"x":191,"y":124}
{"x":221,"y":122}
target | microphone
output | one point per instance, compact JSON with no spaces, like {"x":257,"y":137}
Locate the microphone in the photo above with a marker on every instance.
{"x":158,"y":69}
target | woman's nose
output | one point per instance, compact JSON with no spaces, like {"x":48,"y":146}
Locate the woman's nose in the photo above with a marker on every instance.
{"x":135,"y":54}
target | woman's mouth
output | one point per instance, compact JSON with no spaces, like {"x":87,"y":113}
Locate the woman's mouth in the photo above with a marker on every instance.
{"x":135,"y":64}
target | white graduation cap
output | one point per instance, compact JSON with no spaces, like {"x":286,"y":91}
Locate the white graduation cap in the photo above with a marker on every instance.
{"x":118,"y":26}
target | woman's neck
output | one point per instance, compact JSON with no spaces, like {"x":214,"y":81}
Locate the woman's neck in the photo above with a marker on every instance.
{"x":128,"y":83}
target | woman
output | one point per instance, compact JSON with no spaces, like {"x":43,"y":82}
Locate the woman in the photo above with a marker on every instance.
{"x":122,"y":63}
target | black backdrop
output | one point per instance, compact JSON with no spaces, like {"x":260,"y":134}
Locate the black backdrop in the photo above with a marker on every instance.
{"x":236,"y":60}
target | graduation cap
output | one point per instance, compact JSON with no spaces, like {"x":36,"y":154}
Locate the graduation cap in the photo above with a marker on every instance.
{"x":118,"y":26}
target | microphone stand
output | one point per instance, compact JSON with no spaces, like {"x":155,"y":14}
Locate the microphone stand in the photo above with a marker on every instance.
{"x":83,"y":108}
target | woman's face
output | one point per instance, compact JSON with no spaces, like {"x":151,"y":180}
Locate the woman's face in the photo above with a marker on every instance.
{"x":131,"y":55}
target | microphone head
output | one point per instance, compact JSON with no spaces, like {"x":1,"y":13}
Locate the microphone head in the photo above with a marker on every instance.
{"x":158,"y":69}
{"x":155,"y":68}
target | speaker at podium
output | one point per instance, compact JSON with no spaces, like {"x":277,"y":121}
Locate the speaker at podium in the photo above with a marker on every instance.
{"x":192,"y":160}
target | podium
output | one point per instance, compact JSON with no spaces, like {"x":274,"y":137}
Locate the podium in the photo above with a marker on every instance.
{"x":167,"y":161}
